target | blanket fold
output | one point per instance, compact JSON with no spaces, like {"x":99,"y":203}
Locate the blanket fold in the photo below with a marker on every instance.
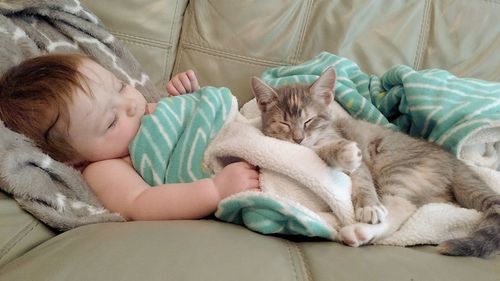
{"x":459,"y":114}
{"x":169,"y":146}
{"x":292,"y":177}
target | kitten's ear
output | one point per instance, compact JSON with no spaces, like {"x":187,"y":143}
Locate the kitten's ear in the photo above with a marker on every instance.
{"x":264,"y":94}
{"x":324,"y":88}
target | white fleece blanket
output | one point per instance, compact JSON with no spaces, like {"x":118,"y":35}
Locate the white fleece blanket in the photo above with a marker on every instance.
{"x":298,"y":188}
{"x":295,"y":184}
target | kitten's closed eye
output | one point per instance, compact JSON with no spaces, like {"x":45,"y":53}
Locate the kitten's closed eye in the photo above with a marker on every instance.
{"x":285,"y":125}
{"x":316,"y":123}
{"x":308,"y":122}
{"x":278,"y":128}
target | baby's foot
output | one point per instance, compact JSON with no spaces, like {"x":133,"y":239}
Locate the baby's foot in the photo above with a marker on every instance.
{"x":371,"y":214}
{"x":357,"y":234}
{"x":349,"y":156}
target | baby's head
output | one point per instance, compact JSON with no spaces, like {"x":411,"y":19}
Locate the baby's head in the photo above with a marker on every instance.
{"x":72,"y":108}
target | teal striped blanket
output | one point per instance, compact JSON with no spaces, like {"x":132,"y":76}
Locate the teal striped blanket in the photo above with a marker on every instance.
{"x":433,"y":104}
{"x":170,"y":144}
{"x":193,"y":136}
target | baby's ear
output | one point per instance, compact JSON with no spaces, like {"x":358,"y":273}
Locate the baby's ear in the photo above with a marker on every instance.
{"x":324,"y":88}
{"x":265,"y":95}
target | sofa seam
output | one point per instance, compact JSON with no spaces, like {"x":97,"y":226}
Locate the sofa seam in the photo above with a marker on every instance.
{"x":17,"y":238}
{"x":422,"y":38}
{"x":293,"y":248}
{"x":231,"y":56}
{"x":303,"y":258}
{"x":178,"y":58}
{"x":492,"y":1}
{"x":173,"y":22}
{"x":290,"y":257}
{"x":179,"y":51}
{"x":143,"y":40}
{"x":147,"y":45}
{"x":164,"y":79}
{"x":161,"y":47}
{"x":302,"y":33}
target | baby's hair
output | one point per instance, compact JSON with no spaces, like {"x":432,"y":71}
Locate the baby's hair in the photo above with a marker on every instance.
{"x":34,"y":100}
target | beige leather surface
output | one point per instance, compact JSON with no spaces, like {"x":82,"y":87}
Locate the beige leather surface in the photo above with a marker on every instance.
{"x":243,"y":38}
{"x":150,"y":29}
{"x":178,"y":250}
{"x":19,"y":231}
{"x":208,"y":250}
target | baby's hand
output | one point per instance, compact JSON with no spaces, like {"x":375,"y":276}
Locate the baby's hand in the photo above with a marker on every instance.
{"x":236,"y":177}
{"x":182,"y":83}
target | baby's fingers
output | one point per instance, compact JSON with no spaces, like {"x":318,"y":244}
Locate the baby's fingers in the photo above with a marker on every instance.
{"x":195,"y":86}
{"x":179,"y":86}
{"x":171,"y":90}
{"x":186,"y":83}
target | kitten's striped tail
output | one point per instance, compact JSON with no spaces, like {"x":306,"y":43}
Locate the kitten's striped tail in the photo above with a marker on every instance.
{"x":471,"y":192}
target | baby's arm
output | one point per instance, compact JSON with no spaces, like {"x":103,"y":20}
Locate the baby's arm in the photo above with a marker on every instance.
{"x":183,"y":83}
{"x":122,"y":190}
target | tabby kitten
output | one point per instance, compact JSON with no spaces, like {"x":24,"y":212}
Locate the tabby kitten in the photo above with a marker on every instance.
{"x":392,"y":174}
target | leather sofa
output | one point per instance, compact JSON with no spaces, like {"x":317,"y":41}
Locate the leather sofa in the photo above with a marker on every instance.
{"x":226,"y":42}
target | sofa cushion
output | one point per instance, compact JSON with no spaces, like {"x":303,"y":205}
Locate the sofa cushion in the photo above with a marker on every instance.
{"x":19,"y":231}
{"x":211,"y":250}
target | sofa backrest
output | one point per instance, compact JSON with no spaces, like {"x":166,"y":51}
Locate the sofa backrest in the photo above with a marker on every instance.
{"x":150,"y":29}
{"x":227,"y":42}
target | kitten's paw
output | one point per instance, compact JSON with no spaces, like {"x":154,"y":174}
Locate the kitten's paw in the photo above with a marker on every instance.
{"x":357,"y":234}
{"x":349,"y":156}
{"x":372,"y":214}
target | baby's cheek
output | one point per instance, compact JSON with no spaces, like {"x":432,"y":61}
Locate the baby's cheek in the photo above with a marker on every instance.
{"x":124,"y":138}
{"x":130,"y":135}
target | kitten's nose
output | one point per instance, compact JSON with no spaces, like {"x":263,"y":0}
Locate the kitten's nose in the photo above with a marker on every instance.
{"x":298,"y":139}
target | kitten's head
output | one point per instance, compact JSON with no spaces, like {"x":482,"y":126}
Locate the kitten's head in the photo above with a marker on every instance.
{"x":296,"y":113}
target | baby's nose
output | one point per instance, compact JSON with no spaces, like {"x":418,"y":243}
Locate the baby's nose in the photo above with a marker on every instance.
{"x":131,"y":107}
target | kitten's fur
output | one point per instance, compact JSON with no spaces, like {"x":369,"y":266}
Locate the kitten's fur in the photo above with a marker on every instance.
{"x":392,"y":174}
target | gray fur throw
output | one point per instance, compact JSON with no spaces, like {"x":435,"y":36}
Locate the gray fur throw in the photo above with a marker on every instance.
{"x":51,"y":191}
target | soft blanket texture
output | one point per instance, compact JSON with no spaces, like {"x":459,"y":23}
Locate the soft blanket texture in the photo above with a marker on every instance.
{"x":53,"y":192}
{"x":174,"y":139}
{"x":460,"y":114}
{"x":421,"y":103}
{"x":300,"y":193}
{"x":171,"y":141}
